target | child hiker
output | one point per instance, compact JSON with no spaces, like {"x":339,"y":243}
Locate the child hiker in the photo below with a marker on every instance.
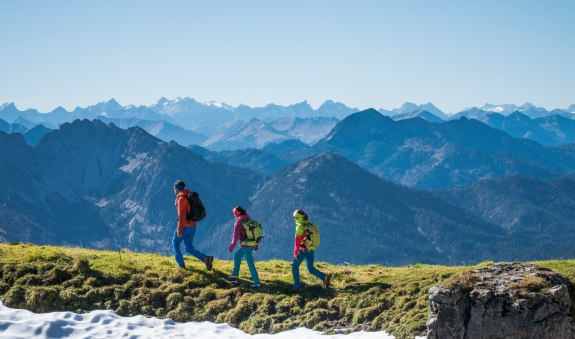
{"x":249,"y":242}
{"x":305,"y":243}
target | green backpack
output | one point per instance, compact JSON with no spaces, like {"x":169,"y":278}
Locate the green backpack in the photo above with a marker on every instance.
{"x":311,"y":236}
{"x":252,"y":231}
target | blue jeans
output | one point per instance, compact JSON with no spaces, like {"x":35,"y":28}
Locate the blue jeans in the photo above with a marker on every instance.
{"x":188,"y":239}
{"x":246,"y":252}
{"x":308,"y":256}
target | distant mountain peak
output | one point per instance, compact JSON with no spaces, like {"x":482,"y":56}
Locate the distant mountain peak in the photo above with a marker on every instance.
{"x":504,"y":109}
{"x":370,"y":112}
{"x":59,"y":109}
{"x":219,"y":105}
{"x":8,"y":105}
{"x":422,"y":113}
{"x":331,"y":103}
{"x":407,"y":107}
{"x":528,"y":105}
{"x":163,"y":101}
{"x":112,"y":103}
{"x":410,"y":107}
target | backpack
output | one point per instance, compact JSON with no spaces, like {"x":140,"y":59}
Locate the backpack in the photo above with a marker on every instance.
{"x":311,"y":236}
{"x":252,"y":234}
{"x":197,"y":209}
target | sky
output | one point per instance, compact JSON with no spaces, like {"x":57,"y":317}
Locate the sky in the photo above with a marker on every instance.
{"x":379,"y":54}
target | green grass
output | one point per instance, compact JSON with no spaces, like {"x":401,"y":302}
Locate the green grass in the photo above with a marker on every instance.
{"x":371,"y":298}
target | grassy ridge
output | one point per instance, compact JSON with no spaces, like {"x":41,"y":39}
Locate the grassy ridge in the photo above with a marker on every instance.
{"x":46,"y":279}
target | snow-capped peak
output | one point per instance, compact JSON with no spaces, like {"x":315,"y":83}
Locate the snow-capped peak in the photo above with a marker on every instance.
{"x":502,"y":109}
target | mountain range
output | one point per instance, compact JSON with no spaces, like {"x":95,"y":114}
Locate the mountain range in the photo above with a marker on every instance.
{"x":94,"y":184}
{"x":422,"y":154}
{"x":217,"y":121}
{"x":542,"y":210}
{"x":417,"y":149}
{"x":411,"y":185}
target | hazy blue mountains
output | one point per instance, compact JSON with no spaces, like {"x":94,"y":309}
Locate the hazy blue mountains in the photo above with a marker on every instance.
{"x":418,"y":153}
{"x":409,"y":108}
{"x":252,"y":159}
{"x":211,"y":125}
{"x":101,"y":186}
{"x":259,"y":133}
{"x":35,"y":134}
{"x":555,"y":129}
{"x":369,"y":219}
{"x":96,"y":185}
{"x":12,"y":128}
{"x":541,"y":210}
{"x":160,"y":129}
{"x":32,"y":133}
{"x":422,"y":114}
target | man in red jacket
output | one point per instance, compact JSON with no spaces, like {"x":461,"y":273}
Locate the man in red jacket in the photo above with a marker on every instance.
{"x":186,"y":229}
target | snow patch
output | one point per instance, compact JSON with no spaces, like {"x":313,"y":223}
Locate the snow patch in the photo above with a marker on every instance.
{"x":134,"y":162}
{"x":102,"y":203}
{"x":497,"y":109}
{"x":17,"y":323}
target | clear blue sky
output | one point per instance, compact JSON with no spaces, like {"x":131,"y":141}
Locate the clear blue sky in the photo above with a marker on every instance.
{"x":455,"y":54}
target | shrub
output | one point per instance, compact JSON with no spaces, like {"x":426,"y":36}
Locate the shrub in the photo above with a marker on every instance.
{"x":81,"y":265}
{"x":56,"y":276}
{"x":216,"y":307}
{"x":15,"y":297}
{"x":529,"y":284}
{"x":42,"y":299}
{"x":173,"y":300}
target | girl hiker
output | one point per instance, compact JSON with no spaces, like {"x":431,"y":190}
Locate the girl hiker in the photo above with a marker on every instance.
{"x":248,"y":245}
{"x":304,"y":250}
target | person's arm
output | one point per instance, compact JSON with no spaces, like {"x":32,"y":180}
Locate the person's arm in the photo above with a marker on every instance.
{"x":236,"y":237}
{"x":182,"y":213}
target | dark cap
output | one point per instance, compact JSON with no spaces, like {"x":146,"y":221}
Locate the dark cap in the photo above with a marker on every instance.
{"x":180,"y":185}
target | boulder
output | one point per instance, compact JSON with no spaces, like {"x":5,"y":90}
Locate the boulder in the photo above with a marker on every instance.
{"x":504,"y":300}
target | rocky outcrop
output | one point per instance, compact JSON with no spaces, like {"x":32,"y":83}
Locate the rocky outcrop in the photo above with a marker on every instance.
{"x":502,"y":301}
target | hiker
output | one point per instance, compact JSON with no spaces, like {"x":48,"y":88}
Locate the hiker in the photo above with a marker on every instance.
{"x":304,"y":250}
{"x":248,"y":245}
{"x":186,"y":229}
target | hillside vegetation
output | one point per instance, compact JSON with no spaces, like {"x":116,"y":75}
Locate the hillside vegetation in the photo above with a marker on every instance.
{"x":47,"y":279}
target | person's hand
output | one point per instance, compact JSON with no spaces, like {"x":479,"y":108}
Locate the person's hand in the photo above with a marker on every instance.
{"x":179,"y":234}
{"x":257,"y":247}
{"x":231,"y":248}
{"x":295,"y":256}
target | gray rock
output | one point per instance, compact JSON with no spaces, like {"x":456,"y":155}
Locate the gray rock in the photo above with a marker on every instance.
{"x":506,"y":300}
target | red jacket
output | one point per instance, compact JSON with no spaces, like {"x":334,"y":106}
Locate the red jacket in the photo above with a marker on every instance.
{"x":300,"y":236}
{"x":183,"y":207}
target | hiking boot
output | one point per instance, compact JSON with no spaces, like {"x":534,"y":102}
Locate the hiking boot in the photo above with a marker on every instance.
{"x":209,"y":260}
{"x":255,"y":285}
{"x":326,"y":280}
{"x":232,"y":277}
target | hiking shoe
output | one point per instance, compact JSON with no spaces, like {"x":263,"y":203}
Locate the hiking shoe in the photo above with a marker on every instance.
{"x":209,"y":260}
{"x":255,"y":285}
{"x":326,"y":280}
{"x":232,"y":277}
